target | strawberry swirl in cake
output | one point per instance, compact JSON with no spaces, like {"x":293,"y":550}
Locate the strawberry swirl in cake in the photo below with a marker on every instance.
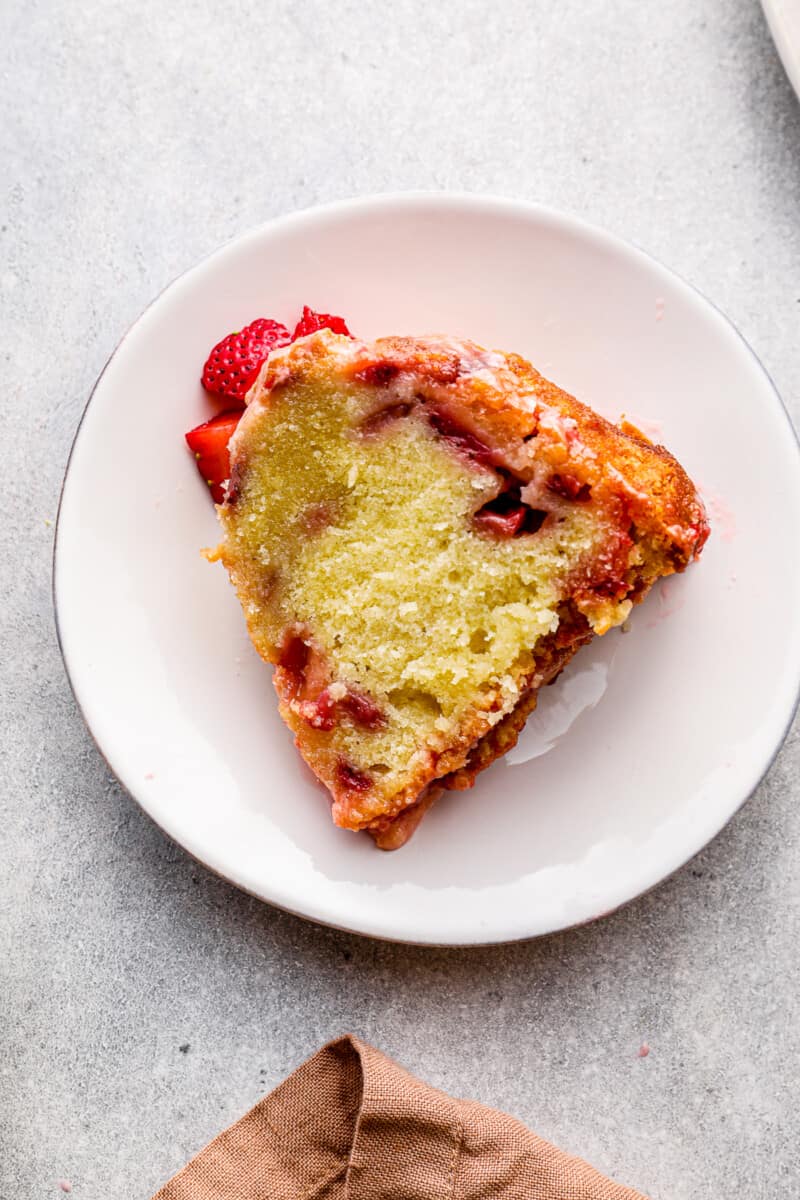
{"x":421,"y":533}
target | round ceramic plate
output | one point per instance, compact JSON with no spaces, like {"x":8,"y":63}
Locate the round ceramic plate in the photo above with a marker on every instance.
{"x":783,"y":17}
{"x":642,"y":750}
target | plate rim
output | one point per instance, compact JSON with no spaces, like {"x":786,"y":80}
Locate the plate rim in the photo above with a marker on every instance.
{"x":476,"y":202}
{"x":787,"y":45}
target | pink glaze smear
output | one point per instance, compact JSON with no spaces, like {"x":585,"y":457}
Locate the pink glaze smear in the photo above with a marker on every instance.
{"x":723,"y":521}
{"x":665,"y":601}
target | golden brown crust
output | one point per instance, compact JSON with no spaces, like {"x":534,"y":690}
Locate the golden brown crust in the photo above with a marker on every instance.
{"x":509,"y":399}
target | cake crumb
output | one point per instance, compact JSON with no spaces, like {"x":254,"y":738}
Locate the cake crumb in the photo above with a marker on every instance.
{"x":65,"y":1185}
{"x":150,"y":775}
{"x":722,"y":516}
{"x":643,"y":1050}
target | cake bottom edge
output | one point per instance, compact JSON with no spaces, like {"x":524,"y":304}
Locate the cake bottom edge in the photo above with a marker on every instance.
{"x":554,"y":654}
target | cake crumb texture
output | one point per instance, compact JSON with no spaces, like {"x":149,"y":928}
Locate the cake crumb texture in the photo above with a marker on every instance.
{"x":408,"y":525}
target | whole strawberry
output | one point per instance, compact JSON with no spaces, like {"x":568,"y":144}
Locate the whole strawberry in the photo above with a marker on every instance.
{"x":234,"y":362}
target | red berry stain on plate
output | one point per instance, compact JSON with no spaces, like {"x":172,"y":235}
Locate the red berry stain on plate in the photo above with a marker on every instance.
{"x":721,"y":514}
{"x":667,"y":601}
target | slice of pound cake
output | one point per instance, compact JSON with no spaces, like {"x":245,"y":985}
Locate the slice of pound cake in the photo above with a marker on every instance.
{"x":422,"y":533}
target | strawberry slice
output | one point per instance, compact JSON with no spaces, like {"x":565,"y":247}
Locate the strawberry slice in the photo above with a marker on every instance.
{"x":503,"y":524}
{"x":233,"y":364}
{"x":209,"y":443}
{"x":311,"y":321}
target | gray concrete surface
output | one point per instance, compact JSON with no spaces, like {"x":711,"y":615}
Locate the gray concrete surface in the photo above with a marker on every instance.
{"x":145,"y":1003}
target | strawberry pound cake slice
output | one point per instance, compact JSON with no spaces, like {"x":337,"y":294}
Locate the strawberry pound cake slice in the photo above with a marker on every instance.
{"x":422,"y":533}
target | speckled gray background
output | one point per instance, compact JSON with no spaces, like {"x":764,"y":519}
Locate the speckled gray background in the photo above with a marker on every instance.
{"x":145,"y":1004}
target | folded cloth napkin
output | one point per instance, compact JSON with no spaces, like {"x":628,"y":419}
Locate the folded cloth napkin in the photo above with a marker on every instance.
{"x":350,"y":1124}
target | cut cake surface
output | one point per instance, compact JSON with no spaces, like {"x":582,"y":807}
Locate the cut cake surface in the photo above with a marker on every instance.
{"x":421,"y":533}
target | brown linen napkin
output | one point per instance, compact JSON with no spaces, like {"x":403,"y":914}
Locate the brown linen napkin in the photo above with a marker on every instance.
{"x":350,"y":1124}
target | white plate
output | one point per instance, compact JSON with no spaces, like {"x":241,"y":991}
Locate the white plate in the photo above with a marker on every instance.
{"x":673,"y":724}
{"x":783,"y":17}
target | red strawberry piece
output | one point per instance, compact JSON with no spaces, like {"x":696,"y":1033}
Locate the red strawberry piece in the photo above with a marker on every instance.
{"x":320,"y":713}
{"x":234,"y":362}
{"x":462,"y":440}
{"x":294,"y":654}
{"x":363,"y":710}
{"x":569,"y":487}
{"x":378,"y":374}
{"x":503,"y":524}
{"x":209,"y":443}
{"x":311,"y":321}
{"x":350,"y":779}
